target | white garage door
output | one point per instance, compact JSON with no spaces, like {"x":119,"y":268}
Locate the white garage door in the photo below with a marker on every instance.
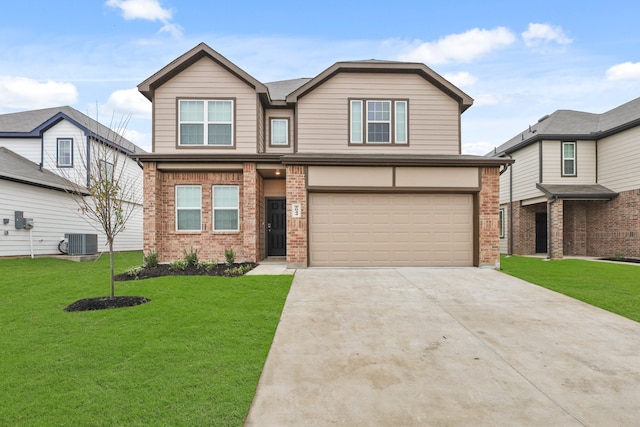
{"x":390,"y":229}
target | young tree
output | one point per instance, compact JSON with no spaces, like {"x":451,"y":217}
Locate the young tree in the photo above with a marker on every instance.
{"x":110,"y":195}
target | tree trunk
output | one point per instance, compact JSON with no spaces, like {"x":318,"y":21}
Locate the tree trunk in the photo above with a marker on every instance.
{"x":113,"y":291}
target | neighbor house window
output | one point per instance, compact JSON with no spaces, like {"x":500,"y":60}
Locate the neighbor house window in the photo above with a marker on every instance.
{"x":106,"y":170}
{"x":378,"y":122}
{"x":188,"y":208}
{"x":226,"y":208}
{"x":65,"y":153}
{"x":502,"y":222}
{"x":279,"y":132}
{"x":205,"y":122}
{"x":569,"y":159}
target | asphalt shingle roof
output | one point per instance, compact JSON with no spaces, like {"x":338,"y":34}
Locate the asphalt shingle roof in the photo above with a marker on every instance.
{"x":14,"y":167}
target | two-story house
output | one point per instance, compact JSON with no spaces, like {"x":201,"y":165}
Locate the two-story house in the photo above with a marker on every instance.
{"x":43,"y":157}
{"x":358,"y":166}
{"x":574,"y":188}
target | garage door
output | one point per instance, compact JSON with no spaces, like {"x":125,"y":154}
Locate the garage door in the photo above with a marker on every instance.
{"x":390,"y":229}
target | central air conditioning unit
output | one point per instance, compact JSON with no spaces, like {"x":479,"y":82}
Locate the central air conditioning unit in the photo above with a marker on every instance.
{"x":82,"y":244}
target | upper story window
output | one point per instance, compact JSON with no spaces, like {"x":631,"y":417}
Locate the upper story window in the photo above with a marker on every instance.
{"x":279,"y":131}
{"x":378,"y":121}
{"x":188,"y":208}
{"x":568,"y":159}
{"x":205,"y":122}
{"x":106,"y":170}
{"x":65,"y":153}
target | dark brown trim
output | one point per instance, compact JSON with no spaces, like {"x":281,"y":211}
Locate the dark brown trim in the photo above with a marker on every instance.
{"x":392,"y":123}
{"x":208,"y":157}
{"x":204,"y":145}
{"x":399,"y":190}
{"x":393,"y":160}
{"x":269,"y":135}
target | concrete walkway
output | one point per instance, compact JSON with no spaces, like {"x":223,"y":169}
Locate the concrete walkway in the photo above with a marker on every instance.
{"x":445,"y":347}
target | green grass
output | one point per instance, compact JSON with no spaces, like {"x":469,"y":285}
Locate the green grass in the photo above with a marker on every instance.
{"x":613,"y":287}
{"x":191,"y":356}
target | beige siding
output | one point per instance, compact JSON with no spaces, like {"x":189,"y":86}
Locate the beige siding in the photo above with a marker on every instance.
{"x":205,"y":79}
{"x":552,"y":163}
{"x":350,"y":176}
{"x":261,"y":131}
{"x":437,"y":177}
{"x":619,"y":160}
{"x":525,"y":174}
{"x":279,"y":114}
{"x":323,"y":114}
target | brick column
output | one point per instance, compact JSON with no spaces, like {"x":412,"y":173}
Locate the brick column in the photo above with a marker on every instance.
{"x":489,"y":220}
{"x":556,"y":228}
{"x":152,"y":191}
{"x":297,"y":227}
{"x":250,"y":212}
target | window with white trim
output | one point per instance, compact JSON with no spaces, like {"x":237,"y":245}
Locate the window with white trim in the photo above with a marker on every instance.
{"x":188,"y":208}
{"x":65,"y":152}
{"x":205,"y":122}
{"x":378,"y":122}
{"x":279,"y":132}
{"x":568,"y":159}
{"x":226,"y":208}
{"x":502,"y":223}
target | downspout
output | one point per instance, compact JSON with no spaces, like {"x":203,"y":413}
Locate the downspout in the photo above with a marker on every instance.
{"x":549,"y":228}
{"x":510,"y":248}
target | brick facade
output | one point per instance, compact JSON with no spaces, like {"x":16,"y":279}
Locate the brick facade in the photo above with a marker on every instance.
{"x":297,"y":246}
{"x":489,"y":221}
{"x":598,"y":228}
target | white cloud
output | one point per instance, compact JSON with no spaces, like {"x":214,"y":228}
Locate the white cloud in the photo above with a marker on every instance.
{"x":463,"y":47}
{"x":462,"y":78}
{"x":538,"y":35}
{"x":129,"y":101}
{"x":624,"y":71}
{"x":149,"y":10}
{"x":29,"y":94}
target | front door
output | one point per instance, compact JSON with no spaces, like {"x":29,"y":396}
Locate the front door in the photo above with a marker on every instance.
{"x":276,"y":227}
{"x":541,"y":232}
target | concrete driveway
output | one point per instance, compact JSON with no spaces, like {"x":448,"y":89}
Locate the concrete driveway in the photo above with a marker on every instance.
{"x":445,"y":347}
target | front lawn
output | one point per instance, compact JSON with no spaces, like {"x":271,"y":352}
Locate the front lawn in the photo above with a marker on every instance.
{"x":613,"y":287}
{"x":191,"y":356}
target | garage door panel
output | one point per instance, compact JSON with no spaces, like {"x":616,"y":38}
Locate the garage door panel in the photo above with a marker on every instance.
{"x":391,"y":229}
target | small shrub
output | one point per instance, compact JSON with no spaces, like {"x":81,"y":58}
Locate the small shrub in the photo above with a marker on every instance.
{"x":150,"y":260}
{"x":191,"y":257}
{"x":230,"y":256}
{"x":179,"y":265}
{"x":134,"y":271}
{"x":619,"y":256}
{"x":239,"y":270}
{"x":208,"y":265}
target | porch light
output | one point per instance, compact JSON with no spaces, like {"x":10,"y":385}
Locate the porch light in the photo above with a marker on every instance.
{"x":277,"y":172}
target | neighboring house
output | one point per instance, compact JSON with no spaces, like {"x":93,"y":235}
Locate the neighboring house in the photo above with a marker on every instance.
{"x":42,"y":157}
{"x":358,"y":166}
{"x":574,"y":188}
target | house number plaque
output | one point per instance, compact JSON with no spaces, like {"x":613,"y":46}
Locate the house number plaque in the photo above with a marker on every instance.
{"x":296,"y":210}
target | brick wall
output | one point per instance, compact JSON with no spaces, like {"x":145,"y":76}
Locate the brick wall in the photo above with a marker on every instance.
{"x":575,"y":227}
{"x":297,"y":249}
{"x":524,"y":227}
{"x":159,"y":215}
{"x":556,"y":228}
{"x":614,"y":226}
{"x":489,"y":221}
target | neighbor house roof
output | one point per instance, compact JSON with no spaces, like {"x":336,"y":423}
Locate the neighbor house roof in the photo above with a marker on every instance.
{"x":577,"y":191}
{"x":33,"y":123}
{"x":575,"y":125}
{"x":14,"y":167}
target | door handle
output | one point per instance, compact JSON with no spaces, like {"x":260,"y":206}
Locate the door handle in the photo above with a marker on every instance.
{"x":269,"y":226}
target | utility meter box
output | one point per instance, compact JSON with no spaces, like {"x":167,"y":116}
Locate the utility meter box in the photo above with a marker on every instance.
{"x":28,"y":223}
{"x":19,"y":219}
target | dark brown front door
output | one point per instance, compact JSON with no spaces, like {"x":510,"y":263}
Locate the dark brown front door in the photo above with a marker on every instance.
{"x":276,"y":227}
{"x":541,"y":232}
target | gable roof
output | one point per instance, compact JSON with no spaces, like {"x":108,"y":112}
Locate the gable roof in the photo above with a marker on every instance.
{"x":16,"y":168}
{"x":570,"y":124}
{"x":33,"y":123}
{"x":187,"y":59}
{"x":378,"y":66}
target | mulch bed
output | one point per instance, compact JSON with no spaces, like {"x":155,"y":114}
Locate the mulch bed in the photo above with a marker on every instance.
{"x":236,"y":269}
{"x":103,"y":303}
{"x":632,"y":260}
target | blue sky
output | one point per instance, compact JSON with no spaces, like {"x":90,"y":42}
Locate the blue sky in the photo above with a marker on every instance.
{"x":519,"y":61}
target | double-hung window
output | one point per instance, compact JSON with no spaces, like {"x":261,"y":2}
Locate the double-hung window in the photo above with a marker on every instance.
{"x":568,"y":159}
{"x":279,"y":132}
{"x":106,"y":170}
{"x":188,"y":208}
{"x":502,"y":222}
{"x":205,"y":122}
{"x":378,"y":121}
{"x":65,"y":152}
{"x":226,"y":208}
